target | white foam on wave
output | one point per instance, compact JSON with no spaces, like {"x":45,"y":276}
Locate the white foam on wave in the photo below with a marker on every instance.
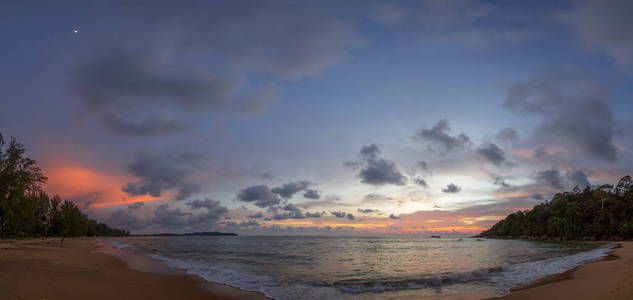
{"x":502,"y":280}
{"x":233,"y":275}
{"x":524,"y":273}
{"x":119,"y":245}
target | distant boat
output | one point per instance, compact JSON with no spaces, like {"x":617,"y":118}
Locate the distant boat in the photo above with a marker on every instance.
{"x":436,"y":236}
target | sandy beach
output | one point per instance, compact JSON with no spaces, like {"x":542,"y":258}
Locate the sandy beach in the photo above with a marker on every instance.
{"x":43,"y":269}
{"x":609,"y":278}
{"x":87,"y":268}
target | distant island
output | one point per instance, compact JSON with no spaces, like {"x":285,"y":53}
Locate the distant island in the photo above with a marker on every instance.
{"x":601,"y":213}
{"x":212,"y":233}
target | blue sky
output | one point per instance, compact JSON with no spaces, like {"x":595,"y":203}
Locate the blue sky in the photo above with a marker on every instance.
{"x":166,"y":103}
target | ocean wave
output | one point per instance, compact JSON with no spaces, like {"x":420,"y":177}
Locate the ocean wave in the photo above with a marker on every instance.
{"x":501,"y":279}
{"x":119,"y":245}
{"x":524,"y":273}
{"x":234,"y":275}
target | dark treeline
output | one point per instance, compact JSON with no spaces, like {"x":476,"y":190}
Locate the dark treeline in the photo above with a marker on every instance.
{"x":605,"y":212}
{"x":27,"y":211}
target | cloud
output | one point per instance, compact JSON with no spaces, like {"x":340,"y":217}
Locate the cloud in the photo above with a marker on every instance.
{"x":579,"y":178}
{"x":207,"y":203}
{"x":287,"y":190}
{"x":313,"y":215}
{"x":604,"y":26}
{"x":260,"y":195}
{"x":575,"y":112}
{"x":376,"y":170}
{"x":380,"y":172}
{"x":501,"y":182}
{"x":508,"y":135}
{"x":166,"y":218}
{"x":350,"y":217}
{"x":136,"y":205}
{"x":392,"y":216}
{"x":311,"y":194}
{"x":250,"y":223}
{"x":421,"y":182}
{"x":492,"y":153}
{"x":149,"y":126}
{"x":422,"y":165}
{"x":440,"y":139}
{"x":257,"y":215}
{"x":367,"y":211}
{"x":451,"y":188}
{"x":147,"y":70}
{"x":551,"y":178}
{"x":338,"y":214}
{"x":277,"y":38}
{"x":158,"y":173}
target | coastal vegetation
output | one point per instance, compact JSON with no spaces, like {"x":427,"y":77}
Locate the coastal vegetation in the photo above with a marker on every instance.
{"x":27,"y":211}
{"x":596,"y":213}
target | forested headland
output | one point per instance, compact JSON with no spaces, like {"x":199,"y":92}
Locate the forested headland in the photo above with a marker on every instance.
{"x":600,"y":213}
{"x":27,"y":211}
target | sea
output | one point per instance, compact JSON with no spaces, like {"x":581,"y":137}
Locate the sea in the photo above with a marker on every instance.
{"x":318,"y":267}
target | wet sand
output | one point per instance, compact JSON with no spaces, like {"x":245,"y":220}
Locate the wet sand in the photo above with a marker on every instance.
{"x":610,"y":278}
{"x":44,"y":269}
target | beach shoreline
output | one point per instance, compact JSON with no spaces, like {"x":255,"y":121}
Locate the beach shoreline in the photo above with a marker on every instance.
{"x":87,"y":268}
{"x":92,"y":268}
{"x":608,"y":277}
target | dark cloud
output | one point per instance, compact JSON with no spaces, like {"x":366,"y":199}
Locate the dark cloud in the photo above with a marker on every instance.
{"x":370,"y":152}
{"x":508,"y":135}
{"x":152,"y":70}
{"x":551,"y":178}
{"x":257,"y":215}
{"x":376,"y":170}
{"x":287,"y":190}
{"x":422,"y":165}
{"x":338,"y":214}
{"x":250,"y":223}
{"x":575,"y":112}
{"x":279,"y":38}
{"x":260,"y":195}
{"x":392,"y":216}
{"x":501,"y":182}
{"x":494,"y":154}
{"x":152,"y":125}
{"x":451,"y":188}
{"x":126,"y":218}
{"x":579,"y":178}
{"x":313,"y":215}
{"x":420,"y":182}
{"x":367,"y":211}
{"x":440,"y":139}
{"x":158,"y":173}
{"x":136,"y":205}
{"x":207,"y":203}
{"x":537,"y":196}
{"x":166,"y":218}
{"x":312,"y":194}
{"x":380,"y":172}
{"x":350,"y":217}
{"x":604,"y":25}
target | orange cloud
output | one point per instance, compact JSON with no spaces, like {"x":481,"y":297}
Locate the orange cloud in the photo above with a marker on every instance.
{"x":86,"y":185}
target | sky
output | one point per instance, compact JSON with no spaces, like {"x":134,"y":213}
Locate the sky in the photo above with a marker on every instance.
{"x":318,"y":117}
